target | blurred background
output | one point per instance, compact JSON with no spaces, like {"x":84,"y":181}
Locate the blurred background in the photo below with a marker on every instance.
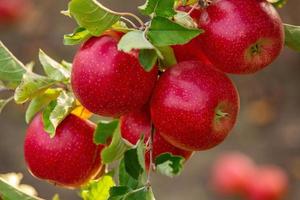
{"x":268,"y":128}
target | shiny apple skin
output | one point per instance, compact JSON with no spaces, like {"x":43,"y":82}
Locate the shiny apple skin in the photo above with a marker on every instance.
{"x":184,"y":105}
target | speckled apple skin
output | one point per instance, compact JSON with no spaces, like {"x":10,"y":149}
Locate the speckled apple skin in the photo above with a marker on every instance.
{"x":190,"y":51}
{"x":134,"y":124}
{"x":109,"y":82}
{"x":233,"y":26}
{"x":69,"y":159}
{"x":184,"y":102}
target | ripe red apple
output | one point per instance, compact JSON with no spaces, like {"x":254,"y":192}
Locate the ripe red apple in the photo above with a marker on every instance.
{"x":269,"y":183}
{"x":241,"y":37}
{"x":194,"y":106}
{"x":134,"y":124}
{"x":69,"y":159}
{"x":190,"y":51}
{"x":13,"y":10}
{"x":110,"y":82}
{"x":231,"y":174}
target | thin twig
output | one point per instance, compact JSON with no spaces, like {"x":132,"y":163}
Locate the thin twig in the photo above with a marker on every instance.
{"x":129,"y":21}
{"x":133,"y":16}
{"x":150,"y":155}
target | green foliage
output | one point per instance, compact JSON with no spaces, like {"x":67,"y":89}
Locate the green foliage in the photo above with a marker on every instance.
{"x":163,"y":8}
{"x":104,"y":131}
{"x":98,"y":189}
{"x":40,"y":102}
{"x":53,"y":69}
{"x":57,"y":111}
{"x":134,"y":40}
{"x":116,"y":149}
{"x":164,"y":32}
{"x":134,"y":160}
{"x":79,"y":35}
{"x":169,"y":58}
{"x":169,"y":165}
{"x":32,"y":85}
{"x":185,"y":20}
{"x":11,"y":70}
{"x":148,"y":58}
{"x":9,"y":192}
{"x":292,"y":36}
{"x":92,"y":16}
{"x":278,"y":3}
{"x":125,"y":179}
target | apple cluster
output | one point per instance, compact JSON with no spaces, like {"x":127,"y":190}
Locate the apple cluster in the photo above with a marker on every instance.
{"x":190,"y":106}
{"x":247,"y":180}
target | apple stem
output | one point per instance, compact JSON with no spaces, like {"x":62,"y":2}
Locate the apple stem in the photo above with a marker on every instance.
{"x":204,"y":3}
{"x":151,"y":164}
{"x":220,"y":114}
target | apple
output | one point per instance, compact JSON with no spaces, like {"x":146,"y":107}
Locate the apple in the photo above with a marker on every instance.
{"x":139,"y":122}
{"x":109,"y":82}
{"x":70,"y":159}
{"x":194,"y":106}
{"x":231,"y":174}
{"x":13,"y":10}
{"x":269,"y":183}
{"x":190,"y":51}
{"x":241,"y":37}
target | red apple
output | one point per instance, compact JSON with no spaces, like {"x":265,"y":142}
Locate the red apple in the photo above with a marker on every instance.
{"x":231,"y":174}
{"x":110,"y":82}
{"x":269,"y":183}
{"x":194,"y":106}
{"x":69,"y":159}
{"x":190,"y":51}
{"x":241,"y":37}
{"x":13,"y":10}
{"x":134,"y":124}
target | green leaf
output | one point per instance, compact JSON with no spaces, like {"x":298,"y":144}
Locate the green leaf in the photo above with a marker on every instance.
{"x":169,"y":165}
{"x":67,"y":65}
{"x":134,"y":160}
{"x":125,"y":179}
{"x":11,"y":70}
{"x":92,"y":15}
{"x":185,"y":20}
{"x":104,"y":131}
{"x":116,"y":149}
{"x":48,"y":126}
{"x":3,"y":103}
{"x":164,"y":32}
{"x":121,"y":26}
{"x":292,"y":36}
{"x":32,"y":85}
{"x":169,"y":58}
{"x":163,"y":8}
{"x":11,"y":193}
{"x":98,"y":189}
{"x":56,"y":197}
{"x":53,"y":69}
{"x":57,"y":111}
{"x":118,"y":191}
{"x":78,"y":36}
{"x":40,"y":102}
{"x":278,"y":3}
{"x":148,"y":58}
{"x":134,"y":40}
